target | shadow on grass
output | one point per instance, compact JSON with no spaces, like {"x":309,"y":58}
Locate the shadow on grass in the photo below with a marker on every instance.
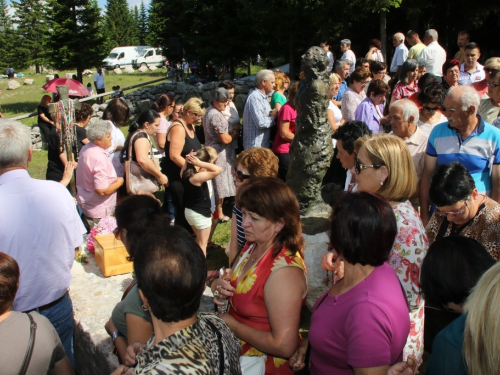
{"x":20,"y":108}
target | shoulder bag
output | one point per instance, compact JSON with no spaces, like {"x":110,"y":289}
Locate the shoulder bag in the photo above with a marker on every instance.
{"x":31,"y":343}
{"x":136,"y":177}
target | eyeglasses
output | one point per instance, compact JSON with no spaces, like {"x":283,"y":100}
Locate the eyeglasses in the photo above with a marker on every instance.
{"x":116,"y":233}
{"x":492,"y":85}
{"x":197,"y":115}
{"x":430,"y":109}
{"x":460,"y":211}
{"x":358,"y":167}
{"x":490,"y":70}
{"x":363,"y":83}
{"x":240,"y":176}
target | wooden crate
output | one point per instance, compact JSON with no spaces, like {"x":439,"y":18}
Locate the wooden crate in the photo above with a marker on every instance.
{"x":111,"y":256}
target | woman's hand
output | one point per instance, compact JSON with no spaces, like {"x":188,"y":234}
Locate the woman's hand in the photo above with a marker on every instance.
{"x":296,"y":361}
{"x":404,"y":368}
{"x":68,"y":173}
{"x":123,"y":370}
{"x":222,"y":290}
{"x":163,"y":180}
{"x":332,"y":262}
{"x":132,"y":351}
{"x":192,"y":159}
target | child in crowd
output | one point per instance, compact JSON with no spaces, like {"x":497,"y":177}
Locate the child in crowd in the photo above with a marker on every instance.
{"x":215,"y":217}
{"x":90,"y":89}
{"x":198,"y":172}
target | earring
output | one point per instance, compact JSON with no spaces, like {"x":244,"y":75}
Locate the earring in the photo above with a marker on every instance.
{"x":381,"y":183}
{"x":145,"y":308}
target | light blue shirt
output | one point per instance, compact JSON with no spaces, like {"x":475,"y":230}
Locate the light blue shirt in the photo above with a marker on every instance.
{"x":256,"y":121}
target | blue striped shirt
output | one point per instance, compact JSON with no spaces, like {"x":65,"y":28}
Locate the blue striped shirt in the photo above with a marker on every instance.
{"x":256,"y":120}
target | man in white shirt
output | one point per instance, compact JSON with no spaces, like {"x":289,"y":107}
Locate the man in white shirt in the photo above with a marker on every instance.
{"x":433,"y":54}
{"x":326,"y":47}
{"x":471,"y":71}
{"x":99,"y":84}
{"x":345,"y":47}
{"x":400,"y":53}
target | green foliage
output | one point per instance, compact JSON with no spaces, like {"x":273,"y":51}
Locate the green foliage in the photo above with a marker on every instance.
{"x":134,"y":12}
{"x":118,"y":22}
{"x":142,"y":23}
{"x":77,"y":36}
{"x":7,"y":39}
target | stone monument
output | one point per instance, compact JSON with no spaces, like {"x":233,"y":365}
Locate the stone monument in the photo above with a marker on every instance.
{"x":310,"y":154}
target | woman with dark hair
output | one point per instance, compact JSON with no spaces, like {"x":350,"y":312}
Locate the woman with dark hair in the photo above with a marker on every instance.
{"x":267,"y":287}
{"x":354,"y":94}
{"x":375,"y":53}
{"x":361,"y":324}
{"x":164,"y":106}
{"x":445,"y":295}
{"x":221,"y":136}
{"x":129,"y":323}
{"x":45,"y":122}
{"x":181,"y":140}
{"x":461,"y":210}
{"x":47,"y":356}
{"x":425,"y":80}
{"x":96,"y":180}
{"x":286,"y":132}
{"x":171,"y":270}
{"x":82,"y":119}
{"x":407,"y":84}
{"x":231,"y":113}
{"x":378,"y":70}
{"x":371,"y":109}
{"x":118,"y":113}
{"x":139,"y":132}
{"x":451,"y":73}
{"x":432,"y":99}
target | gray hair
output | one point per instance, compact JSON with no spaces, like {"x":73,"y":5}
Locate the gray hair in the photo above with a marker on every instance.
{"x":339,"y":64}
{"x":408,"y":66}
{"x":408,"y":107}
{"x":432,"y":33}
{"x":347,"y":42}
{"x":15,"y":143}
{"x":421,"y":62}
{"x":399,"y":36}
{"x":263,"y":75}
{"x":219,"y":94}
{"x":98,"y":130}
{"x":469,"y":98}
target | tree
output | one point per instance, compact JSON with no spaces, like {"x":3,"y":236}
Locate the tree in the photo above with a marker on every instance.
{"x":143,"y":24}
{"x":118,"y":22}
{"x":134,"y":12}
{"x":77,"y":39}
{"x":7,"y":38}
{"x":32,"y":31}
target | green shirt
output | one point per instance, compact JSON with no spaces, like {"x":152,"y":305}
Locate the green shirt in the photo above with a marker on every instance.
{"x":277,"y":98}
{"x":132,"y":304}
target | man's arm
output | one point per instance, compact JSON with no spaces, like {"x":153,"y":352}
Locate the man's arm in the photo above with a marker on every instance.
{"x":259,"y":113}
{"x":430,"y":164}
{"x":495,"y":182}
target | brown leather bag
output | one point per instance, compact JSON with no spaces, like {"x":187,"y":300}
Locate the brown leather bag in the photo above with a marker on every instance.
{"x":136,"y":177}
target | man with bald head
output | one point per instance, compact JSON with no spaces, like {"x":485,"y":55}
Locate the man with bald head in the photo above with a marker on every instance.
{"x":434,"y":55}
{"x":465,"y":138}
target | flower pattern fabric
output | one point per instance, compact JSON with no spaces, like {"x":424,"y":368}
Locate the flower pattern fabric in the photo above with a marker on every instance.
{"x":248,"y":305}
{"x":408,"y":252}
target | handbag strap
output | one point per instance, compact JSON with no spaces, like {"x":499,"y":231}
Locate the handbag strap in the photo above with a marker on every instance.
{"x":31,"y":343}
{"x":221,"y":347}
{"x":129,"y":153}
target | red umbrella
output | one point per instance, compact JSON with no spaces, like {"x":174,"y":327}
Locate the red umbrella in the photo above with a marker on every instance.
{"x":75,"y":87}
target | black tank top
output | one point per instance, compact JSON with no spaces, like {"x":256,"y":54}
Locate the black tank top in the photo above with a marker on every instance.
{"x":197,"y":198}
{"x":168,"y":166}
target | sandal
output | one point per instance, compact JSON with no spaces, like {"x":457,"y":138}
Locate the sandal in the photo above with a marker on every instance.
{"x":225,"y":219}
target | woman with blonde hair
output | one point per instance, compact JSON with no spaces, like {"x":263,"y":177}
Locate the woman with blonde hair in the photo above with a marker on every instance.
{"x":383,"y":165}
{"x":278,"y":98}
{"x":482,"y":331}
{"x":333,"y":112}
{"x":181,"y":140}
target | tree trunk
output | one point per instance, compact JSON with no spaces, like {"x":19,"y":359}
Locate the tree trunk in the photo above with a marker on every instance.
{"x":249,"y":67}
{"x":383,"y":34}
{"x":37,"y":68}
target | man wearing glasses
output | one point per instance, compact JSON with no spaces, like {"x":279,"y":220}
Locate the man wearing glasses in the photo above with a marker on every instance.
{"x":466,"y":138}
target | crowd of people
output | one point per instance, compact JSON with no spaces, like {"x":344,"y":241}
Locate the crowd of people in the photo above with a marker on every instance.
{"x":414,"y":235}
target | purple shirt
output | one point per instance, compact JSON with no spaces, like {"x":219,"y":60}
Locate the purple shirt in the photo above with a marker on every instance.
{"x":367,"y":113}
{"x":95,"y":171}
{"x":366,"y":326}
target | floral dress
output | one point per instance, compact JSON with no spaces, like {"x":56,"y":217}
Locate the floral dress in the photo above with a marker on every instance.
{"x":406,"y":258}
{"x":248,"y":305}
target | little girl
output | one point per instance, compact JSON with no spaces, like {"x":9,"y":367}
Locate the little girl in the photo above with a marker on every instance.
{"x":199,"y":170}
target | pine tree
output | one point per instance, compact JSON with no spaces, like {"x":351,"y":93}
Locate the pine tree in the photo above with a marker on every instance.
{"x":118,"y":21}
{"x":135,"y":25}
{"x":77,"y":39}
{"x":7,"y":38}
{"x":143,"y":24}
{"x":32,"y":31}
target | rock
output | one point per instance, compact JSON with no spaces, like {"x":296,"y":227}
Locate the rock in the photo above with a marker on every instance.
{"x":128,"y":69}
{"x":117,"y":71}
{"x":87,"y":72}
{"x":143,"y":69}
{"x":181,"y":88}
{"x":69,"y":75}
{"x":152,"y":68}
{"x":95,"y":107}
{"x":28,"y":81}
{"x":317,"y":283}
{"x":239,"y":102}
{"x":210,"y":85}
{"x":102,"y":107}
{"x":206,"y":96}
{"x":144,"y":105}
{"x":13,"y":84}
{"x":48,"y":78}
{"x":105,"y":72}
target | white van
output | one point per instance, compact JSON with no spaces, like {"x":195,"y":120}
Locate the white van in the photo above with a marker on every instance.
{"x":120,"y":57}
{"x":150,"y":57}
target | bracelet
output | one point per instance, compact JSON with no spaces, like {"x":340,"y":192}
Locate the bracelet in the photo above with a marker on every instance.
{"x":115,"y":335}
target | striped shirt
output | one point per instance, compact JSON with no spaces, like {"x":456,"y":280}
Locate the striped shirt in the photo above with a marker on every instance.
{"x":478,"y":152}
{"x":256,"y":120}
{"x":239,"y":227}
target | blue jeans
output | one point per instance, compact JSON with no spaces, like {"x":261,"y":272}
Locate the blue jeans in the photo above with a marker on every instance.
{"x":61,"y":317}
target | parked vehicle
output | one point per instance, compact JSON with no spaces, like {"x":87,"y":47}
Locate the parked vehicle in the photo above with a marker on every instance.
{"x":150,"y":57}
{"x":120,"y":57}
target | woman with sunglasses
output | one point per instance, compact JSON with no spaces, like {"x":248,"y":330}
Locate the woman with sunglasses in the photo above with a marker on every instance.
{"x":461,"y":210}
{"x":432,"y":99}
{"x":490,"y":65}
{"x":383,"y":165}
{"x":129,"y":321}
{"x":489,"y":109}
{"x":181,"y":140}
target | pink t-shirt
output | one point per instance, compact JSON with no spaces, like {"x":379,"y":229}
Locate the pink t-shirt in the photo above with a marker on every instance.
{"x":95,"y":171}
{"x":366,"y":326}
{"x":286,"y":113}
{"x":164,"y":125}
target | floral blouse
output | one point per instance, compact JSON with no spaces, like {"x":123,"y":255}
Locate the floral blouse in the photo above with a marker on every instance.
{"x":406,"y":258}
{"x":350,"y":102}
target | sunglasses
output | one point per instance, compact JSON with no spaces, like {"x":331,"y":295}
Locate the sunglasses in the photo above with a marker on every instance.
{"x":492,"y":85}
{"x":430,"y":109}
{"x":490,"y":70}
{"x":240,"y":176}
{"x":358,"y":167}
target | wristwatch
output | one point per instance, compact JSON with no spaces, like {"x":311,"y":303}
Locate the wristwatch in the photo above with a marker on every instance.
{"x":115,"y":335}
